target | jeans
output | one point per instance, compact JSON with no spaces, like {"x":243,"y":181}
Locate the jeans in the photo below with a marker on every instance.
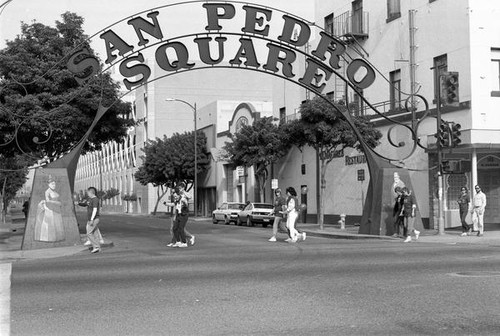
{"x":186,"y":232}
{"x":397,"y":223}
{"x":179,"y":227}
{"x":408,"y":225}
{"x":93,"y":233}
{"x":477,"y":219}
{"x":277,"y":224}
{"x":463,"y":214}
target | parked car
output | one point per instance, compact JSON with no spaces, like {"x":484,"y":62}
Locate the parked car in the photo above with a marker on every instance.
{"x":227,"y":212}
{"x":256,"y":213}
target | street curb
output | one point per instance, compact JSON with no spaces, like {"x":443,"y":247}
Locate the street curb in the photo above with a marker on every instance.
{"x":346,"y":236}
{"x":54,"y":252}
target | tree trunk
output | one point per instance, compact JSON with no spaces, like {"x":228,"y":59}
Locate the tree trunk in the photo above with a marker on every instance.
{"x":4,"y":206}
{"x":163,"y":192}
{"x":321,"y":215}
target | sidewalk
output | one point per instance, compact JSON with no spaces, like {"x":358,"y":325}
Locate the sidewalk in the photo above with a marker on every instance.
{"x":10,"y":246}
{"x":451,"y":236}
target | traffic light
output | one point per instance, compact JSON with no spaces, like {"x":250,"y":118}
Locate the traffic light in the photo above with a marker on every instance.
{"x":443,"y":134}
{"x":449,"y":89}
{"x":455,"y":134}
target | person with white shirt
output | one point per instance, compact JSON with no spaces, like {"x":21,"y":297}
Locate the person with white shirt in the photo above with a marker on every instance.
{"x":478,"y":206}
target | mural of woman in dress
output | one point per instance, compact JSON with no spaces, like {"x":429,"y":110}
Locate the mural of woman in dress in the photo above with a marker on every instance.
{"x":49,"y":224}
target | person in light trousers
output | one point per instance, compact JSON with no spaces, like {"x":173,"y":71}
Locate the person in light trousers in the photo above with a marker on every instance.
{"x":478,"y":206}
{"x":292,"y":215}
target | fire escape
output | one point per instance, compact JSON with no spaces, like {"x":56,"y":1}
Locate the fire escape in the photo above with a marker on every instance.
{"x":350,"y":27}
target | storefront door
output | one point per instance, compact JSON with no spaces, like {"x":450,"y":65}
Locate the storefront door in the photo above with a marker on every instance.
{"x":489,"y":180}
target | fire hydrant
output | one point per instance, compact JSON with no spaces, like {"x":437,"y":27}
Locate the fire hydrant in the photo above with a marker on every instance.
{"x":342,"y":221}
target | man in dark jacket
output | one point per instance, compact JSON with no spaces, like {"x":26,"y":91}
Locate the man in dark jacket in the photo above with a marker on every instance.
{"x":279,"y":202}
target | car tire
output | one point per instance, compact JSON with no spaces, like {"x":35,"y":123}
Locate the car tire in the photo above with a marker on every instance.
{"x":214,"y":220}
{"x":226,"y":220}
{"x":238,"y":221}
{"x":249,"y":221}
{"x":264,"y":225}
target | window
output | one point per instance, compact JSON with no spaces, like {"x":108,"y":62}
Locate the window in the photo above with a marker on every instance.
{"x":393,"y":9}
{"x":395,"y":89}
{"x":495,"y":72}
{"x":330,"y":95}
{"x":329,"y":24}
{"x":282,"y":115}
{"x":440,"y":67}
{"x":357,"y":17}
{"x":356,"y":108}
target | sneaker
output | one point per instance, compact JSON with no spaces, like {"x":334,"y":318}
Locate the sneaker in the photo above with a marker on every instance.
{"x":170,"y":245}
{"x":479,"y":234}
{"x":288,"y":239}
{"x":87,"y":243}
{"x":417,"y":234}
{"x":101,"y":241}
{"x":183,"y":245}
{"x":191,"y":240}
{"x":95,"y":250}
{"x":395,"y":235}
{"x":272,"y":239}
{"x":177,"y":244}
{"x":408,"y":239}
{"x":463,"y":234}
{"x":303,"y":236}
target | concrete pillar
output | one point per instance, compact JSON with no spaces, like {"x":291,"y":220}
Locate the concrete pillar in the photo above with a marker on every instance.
{"x":474,"y":169}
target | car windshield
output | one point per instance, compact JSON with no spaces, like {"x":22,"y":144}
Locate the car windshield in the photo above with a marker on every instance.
{"x":236,"y":206}
{"x":263,"y":206}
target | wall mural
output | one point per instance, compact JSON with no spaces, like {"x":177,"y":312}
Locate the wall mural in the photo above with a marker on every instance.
{"x":51,"y":218}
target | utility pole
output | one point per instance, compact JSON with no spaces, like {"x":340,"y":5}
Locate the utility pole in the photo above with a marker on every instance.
{"x":439,"y":149}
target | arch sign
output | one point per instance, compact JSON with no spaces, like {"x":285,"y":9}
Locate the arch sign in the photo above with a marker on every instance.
{"x":229,"y":34}
{"x":283,"y":36}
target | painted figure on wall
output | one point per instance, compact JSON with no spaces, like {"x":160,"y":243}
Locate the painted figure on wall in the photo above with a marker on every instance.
{"x":49,"y":225}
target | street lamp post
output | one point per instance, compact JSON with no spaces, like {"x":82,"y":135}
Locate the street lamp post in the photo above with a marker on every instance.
{"x":195,"y":182}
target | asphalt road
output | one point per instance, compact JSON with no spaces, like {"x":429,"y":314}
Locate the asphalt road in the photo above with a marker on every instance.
{"x":235,"y":282}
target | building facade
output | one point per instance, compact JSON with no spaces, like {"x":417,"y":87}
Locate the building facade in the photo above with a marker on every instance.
{"x":114,"y":166}
{"x":412,"y":43}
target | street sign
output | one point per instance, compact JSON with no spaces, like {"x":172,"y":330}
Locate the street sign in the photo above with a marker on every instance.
{"x":274,"y":184}
{"x":361,"y":174}
{"x":240,"y":171}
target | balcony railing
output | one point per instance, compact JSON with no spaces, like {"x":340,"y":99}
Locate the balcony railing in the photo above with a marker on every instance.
{"x":351,"y":25}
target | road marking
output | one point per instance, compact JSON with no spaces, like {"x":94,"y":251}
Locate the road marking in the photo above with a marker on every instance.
{"x":5,"y":271}
{"x":476,"y":274}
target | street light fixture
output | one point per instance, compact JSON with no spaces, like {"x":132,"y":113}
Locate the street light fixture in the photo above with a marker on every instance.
{"x":195,"y":182}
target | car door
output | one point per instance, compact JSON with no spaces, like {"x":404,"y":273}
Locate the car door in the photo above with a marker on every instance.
{"x":220,"y":213}
{"x":246,"y":211}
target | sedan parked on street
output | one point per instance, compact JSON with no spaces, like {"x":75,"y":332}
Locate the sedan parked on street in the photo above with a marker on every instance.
{"x":256,"y":213}
{"x":227,"y":212}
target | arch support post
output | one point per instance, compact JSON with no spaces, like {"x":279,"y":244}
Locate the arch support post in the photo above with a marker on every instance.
{"x":377,"y":218}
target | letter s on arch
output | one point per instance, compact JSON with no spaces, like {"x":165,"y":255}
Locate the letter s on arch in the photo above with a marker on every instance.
{"x":80,"y":68}
{"x":127,"y":70}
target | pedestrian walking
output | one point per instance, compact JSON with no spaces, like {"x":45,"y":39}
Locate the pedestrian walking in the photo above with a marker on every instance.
{"x":397,"y":212}
{"x":177,"y":196}
{"x":478,"y":206}
{"x":463,"y":206}
{"x":292,"y":212}
{"x":408,"y":212}
{"x":93,"y":207}
{"x":279,"y":202}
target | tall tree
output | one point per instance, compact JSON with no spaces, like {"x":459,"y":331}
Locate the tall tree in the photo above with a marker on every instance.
{"x":323,"y":128}
{"x":41,"y":100}
{"x":258,"y":146}
{"x":167,"y":162}
{"x":13,"y":175}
